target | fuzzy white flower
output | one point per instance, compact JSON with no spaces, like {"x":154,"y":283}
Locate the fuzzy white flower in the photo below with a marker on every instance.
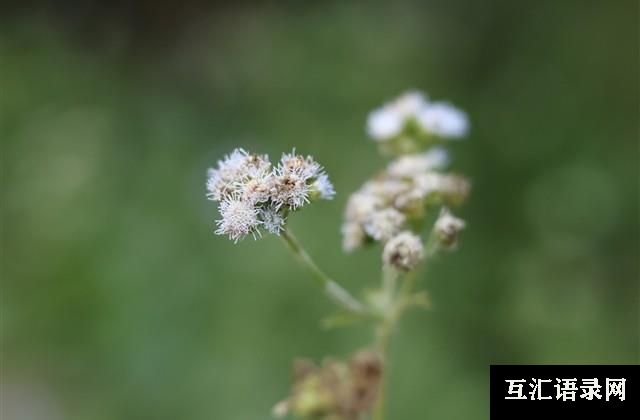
{"x":324,"y":187}
{"x":389,"y":120}
{"x":239,"y":218}
{"x":234,"y":171}
{"x":382,"y":225}
{"x":256,"y":189}
{"x":447,"y":228}
{"x":290,"y":189}
{"x":222,"y":180}
{"x":256,"y":166}
{"x":409,"y":104}
{"x":272,"y":220}
{"x":410,"y":165}
{"x":304,"y":167}
{"x":296,"y":177}
{"x":444,"y":120}
{"x":383,"y":124}
{"x":404,"y":251}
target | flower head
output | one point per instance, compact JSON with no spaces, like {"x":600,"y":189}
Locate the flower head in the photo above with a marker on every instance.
{"x":221,"y":180}
{"x":272,"y":220}
{"x":383,"y":124}
{"x":290,"y":189}
{"x":388,"y":121}
{"x":447,"y":228}
{"x":444,"y":120}
{"x":403,"y":252}
{"x":305,"y":167}
{"x":234,"y":171}
{"x":239,"y":218}
{"x":323,"y":187}
{"x":256,"y":189}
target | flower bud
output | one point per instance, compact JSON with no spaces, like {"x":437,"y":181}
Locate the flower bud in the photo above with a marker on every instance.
{"x":447,"y":228}
{"x":403,"y":252}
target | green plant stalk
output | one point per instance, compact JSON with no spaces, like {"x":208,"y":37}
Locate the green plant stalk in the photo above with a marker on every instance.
{"x":339,"y":295}
{"x":396,"y":305}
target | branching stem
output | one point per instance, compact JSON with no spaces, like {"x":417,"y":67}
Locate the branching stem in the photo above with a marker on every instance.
{"x":339,"y":295}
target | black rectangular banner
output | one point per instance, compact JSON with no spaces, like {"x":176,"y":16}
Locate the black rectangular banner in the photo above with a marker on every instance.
{"x":565,"y":391}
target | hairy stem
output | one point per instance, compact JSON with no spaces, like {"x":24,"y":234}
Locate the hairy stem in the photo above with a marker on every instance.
{"x":333,"y":290}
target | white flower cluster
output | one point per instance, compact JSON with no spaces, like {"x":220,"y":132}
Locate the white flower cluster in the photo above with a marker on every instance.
{"x":387,"y":207}
{"x":411,"y":120}
{"x":255,"y":195}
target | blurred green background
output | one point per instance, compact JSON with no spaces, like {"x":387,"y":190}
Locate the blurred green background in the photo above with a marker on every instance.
{"x":118,"y":302}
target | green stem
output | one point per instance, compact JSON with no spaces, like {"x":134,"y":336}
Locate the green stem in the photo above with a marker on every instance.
{"x":333,"y":290}
{"x":396,"y":304}
{"x":383,"y":334}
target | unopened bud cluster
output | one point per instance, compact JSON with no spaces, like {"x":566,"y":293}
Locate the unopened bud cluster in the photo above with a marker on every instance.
{"x":337,"y":390}
{"x":390,"y":206}
{"x":254,"y":195}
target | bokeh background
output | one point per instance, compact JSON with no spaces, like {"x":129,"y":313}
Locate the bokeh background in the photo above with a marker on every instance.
{"x":118,"y":302}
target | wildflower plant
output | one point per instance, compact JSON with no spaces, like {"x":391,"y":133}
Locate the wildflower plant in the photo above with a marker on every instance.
{"x":406,"y":208}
